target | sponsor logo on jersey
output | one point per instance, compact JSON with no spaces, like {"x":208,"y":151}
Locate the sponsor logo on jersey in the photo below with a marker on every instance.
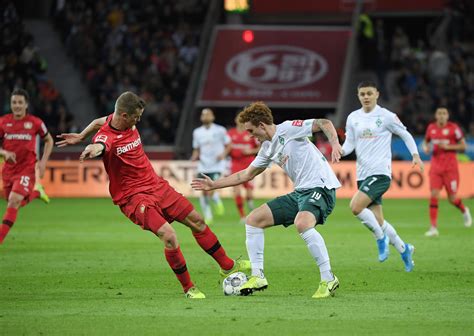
{"x":101,"y":138}
{"x":367,"y":134}
{"x":282,"y":159}
{"x":445,"y":131}
{"x":132,"y":145}
{"x":281,"y":140}
{"x":14,"y":136}
{"x":28,"y":125}
{"x":298,"y":123}
{"x":9,"y":124}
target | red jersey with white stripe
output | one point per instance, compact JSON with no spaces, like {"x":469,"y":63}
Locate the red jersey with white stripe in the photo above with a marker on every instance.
{"x":241,"y":140}
{"x":449,"y":134}
{"x":19,"y":136}
{"x":129,"y":169}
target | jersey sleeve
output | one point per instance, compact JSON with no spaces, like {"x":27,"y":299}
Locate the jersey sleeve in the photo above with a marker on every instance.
{"x":396,"y":126}
{"x":103,"y":138}
{"x":41,"y":128}
{"x":427,"y":134}
{"x":458,"y":133}
{"x":297,"y":129}
{"x":262,"y":160}
{"x":349,"y":144}
{"x":195,"y":140}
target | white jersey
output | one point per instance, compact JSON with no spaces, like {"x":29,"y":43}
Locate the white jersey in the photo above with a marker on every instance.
{"x":370,"y":133}
{"x":291,"y":149}
{"x":211,"y":143}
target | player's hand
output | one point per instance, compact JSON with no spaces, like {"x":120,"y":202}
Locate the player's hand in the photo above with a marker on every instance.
{"x":41,"y":168}
{"x":204,"y":183}
{"x":443,"y":146}
{"x":90,"y":152}
{"x":426,"y":148}
{"x":336,"y":152}
{"x":9,"y":157}
{"x":68,"y":139}
{"x":417,"y":162}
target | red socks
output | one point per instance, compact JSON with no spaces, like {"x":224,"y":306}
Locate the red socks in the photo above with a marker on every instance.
{"x":434,"y":212}
{"x":458,"y":204}
{"x":209,"y":243}
{"x":240,"y":205}
{"x":8,"y":220}
{"x":177,"y":263}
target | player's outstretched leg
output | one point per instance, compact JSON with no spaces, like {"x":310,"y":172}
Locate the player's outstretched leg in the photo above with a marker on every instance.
{"x":433,"y":231}
{"x":467,"y":217}
{"x":407,"y":257}
{"x":405,"y":253}
{"x":41,"y":193}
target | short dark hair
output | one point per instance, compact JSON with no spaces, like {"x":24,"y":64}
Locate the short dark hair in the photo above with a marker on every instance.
{"x":21,"y":92}
{"x":129,"y":102}
{"x":367,"y":83}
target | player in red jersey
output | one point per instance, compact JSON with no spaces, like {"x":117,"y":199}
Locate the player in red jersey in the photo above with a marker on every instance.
{"x":144,"y":197}
{"x":446,"y":138}
{"x":18,"y":132}
{"x":243,"y":150}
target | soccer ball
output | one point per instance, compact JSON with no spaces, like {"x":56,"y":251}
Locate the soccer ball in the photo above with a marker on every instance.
{"x":232,"y":284}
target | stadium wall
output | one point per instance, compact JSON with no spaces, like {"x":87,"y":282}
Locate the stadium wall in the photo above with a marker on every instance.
{"x":72,"y":179}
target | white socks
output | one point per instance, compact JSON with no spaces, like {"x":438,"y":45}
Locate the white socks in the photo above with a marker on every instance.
{"x":205,"y":206}
{"x":367,"y":218}
{"x":319,"y":252}
{"x":395,"y":239}
{"x":255,"y":244}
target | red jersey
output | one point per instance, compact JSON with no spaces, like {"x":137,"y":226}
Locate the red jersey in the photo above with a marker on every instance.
{"x":130,"y":172}
{"x":19,"y":136}
{"x":449,"y":134}
{"x":241,"y":140}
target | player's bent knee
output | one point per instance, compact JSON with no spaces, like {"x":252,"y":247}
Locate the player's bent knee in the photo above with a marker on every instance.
{"x":355,"y":209}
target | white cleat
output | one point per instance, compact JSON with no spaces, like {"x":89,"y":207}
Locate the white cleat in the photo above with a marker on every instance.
{"x":432,"y":232}
{"x":467,"y":217}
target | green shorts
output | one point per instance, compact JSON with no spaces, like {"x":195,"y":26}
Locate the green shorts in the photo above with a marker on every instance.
{"x":213,"y":176}
{"x":319,"y":201}
{"x":374,"y":186}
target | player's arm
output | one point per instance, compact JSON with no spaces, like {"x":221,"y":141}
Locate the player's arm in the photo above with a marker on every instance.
{"x":8,"y":156}
{"x":92,"y":151}
{"x":237,"y":178}
{"x":226,"y":152}
{"x":399,"y":129}
{"x":48,"y":148}
{"x":459,"y":146}
{"x":75,"y":138}
{"x":195,"y":155}
{"x":349,"y":144}
{"x":328,"y":129}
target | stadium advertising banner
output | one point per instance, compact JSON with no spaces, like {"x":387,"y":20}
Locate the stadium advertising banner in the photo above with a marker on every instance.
{"x":283,"y":66}
{"x":72,"y":179}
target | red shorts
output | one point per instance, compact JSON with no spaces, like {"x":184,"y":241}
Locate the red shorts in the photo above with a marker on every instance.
{"x":168,"y":206}
{"x":20,"y":184}
{"x":445,"y":178}
{"x":236,"y":168}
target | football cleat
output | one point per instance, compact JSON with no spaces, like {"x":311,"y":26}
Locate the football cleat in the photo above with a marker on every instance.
{"x":432,"y":232}
{"x":326,"y":289}
{"x":240,"y":265}
{"x":254,"y":284}
{"x":219,"y":208}
{"x":194,"y":293}
{"x":407,"y":257}
{"x":382,"y":245}
{"x":43,"y":196}
{"x":467,"y":217}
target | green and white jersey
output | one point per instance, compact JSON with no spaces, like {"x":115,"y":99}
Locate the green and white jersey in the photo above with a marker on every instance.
{"x":370,"y":133}
{"x":291,"y":149}
{"x":211,"y":143}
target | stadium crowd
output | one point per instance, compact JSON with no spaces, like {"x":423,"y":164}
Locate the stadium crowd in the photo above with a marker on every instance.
{"x":21,"y":65}
{"x":147,"y":47}
{"x":422,"y":68}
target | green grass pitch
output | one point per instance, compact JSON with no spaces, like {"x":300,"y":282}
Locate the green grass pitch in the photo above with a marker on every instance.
{"x":79,"y":267}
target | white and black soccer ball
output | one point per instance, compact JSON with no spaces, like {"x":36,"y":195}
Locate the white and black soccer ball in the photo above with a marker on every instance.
{"x":232,"y":284}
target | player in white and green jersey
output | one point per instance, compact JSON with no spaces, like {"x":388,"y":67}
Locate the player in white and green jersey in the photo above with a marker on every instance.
{"x":313,"y":199}
{"x":211,"y":144}
{"x":369,"y":131}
